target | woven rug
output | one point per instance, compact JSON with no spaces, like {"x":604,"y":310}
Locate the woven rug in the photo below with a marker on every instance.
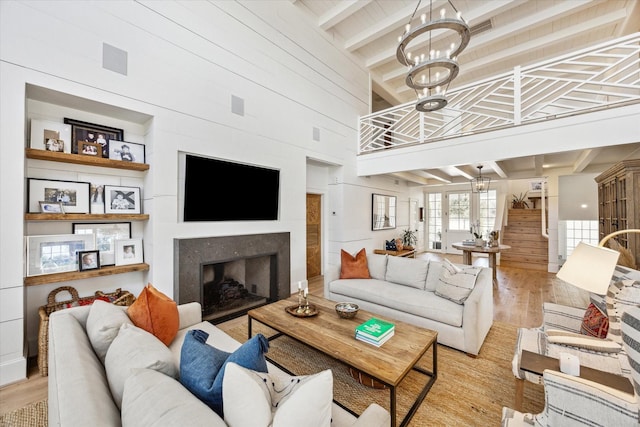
{"x":32,"y":415}
{"x":468,"y":391}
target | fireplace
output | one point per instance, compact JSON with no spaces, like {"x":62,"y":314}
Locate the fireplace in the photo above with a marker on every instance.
{"x":229,"y":275}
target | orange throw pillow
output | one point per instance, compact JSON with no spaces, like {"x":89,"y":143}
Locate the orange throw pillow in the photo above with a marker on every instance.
{"x":156,"y":313}
{"x":354,"y":267}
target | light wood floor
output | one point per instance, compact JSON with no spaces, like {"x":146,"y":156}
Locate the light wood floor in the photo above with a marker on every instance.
{"x":518,"y":298}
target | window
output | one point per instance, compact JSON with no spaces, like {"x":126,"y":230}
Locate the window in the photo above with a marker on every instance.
{"x":459,"y":211}
{"x":487,"y":211}
{"x":434,"y":215}
{"x":580,"y":231}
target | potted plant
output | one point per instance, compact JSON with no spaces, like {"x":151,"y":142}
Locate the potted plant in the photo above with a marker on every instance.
{"x":409,"y":237}
{"x":518,"y":202}
{"x":475,"y":230}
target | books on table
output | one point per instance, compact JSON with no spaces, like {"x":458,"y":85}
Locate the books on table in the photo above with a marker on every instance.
{"x":375,"y":331}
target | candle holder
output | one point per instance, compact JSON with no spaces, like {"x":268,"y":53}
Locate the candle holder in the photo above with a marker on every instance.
{"x":306,"y":309}
{"x":301,"y":304}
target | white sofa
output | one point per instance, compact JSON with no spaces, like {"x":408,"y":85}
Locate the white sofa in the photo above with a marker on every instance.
{"x":404,"y":289}
{"x":79,"y":392}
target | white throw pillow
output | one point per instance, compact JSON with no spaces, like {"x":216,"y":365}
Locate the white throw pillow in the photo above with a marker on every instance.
{"x":456,"y":283}
{"x":377,"y":264}
{"x":407,"y":271}
{"x":256,"y":399}
{"x":132,"y":349}
{"x":152,"y":398}
{"x":103,"y":323}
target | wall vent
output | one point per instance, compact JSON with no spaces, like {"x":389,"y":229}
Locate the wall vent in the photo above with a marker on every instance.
{"x":481,"y":27}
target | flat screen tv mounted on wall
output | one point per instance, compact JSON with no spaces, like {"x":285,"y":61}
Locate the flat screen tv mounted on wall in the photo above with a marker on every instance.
{"x":219,"y":190}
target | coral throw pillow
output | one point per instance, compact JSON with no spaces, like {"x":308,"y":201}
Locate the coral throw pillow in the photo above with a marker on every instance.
{"x":156,"y":313}
{"x":354,"y":267}
{"x":594,"y":323}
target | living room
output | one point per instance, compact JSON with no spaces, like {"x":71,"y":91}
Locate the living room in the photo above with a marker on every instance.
{"x":247,"y":83}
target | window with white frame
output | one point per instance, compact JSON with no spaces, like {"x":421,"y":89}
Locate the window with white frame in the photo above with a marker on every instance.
{"x":487,"y":211}
{"x":580,"y":231}
{"x":434,"y":218}
{"x":459,"y":211}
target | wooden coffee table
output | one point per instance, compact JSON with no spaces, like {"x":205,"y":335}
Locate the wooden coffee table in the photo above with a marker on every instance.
{"x":334,"y":336}
{"x":537,"y":363}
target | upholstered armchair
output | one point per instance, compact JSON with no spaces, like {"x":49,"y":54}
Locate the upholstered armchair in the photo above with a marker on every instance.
{"x":573,"y":401}
{"x":561,"y":330}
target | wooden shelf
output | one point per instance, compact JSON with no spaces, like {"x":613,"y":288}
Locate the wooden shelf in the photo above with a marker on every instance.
{"x":77,"y":275}
{"x":84,"y":217}
{"x":80,"y":159}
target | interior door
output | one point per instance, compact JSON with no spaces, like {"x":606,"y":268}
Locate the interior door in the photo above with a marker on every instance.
{"x":314,"y":235}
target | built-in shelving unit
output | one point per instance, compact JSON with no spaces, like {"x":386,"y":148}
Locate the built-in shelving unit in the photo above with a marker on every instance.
{"x":44,"y":279}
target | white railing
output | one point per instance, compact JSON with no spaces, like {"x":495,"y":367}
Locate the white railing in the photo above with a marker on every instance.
{"x":604,"y":76}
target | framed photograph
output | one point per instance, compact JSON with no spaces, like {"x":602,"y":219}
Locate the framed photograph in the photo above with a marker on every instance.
{"x":126,"y":151}
{"x":121,"y":200}
{"x":88,"y":260}
{"x":536,"y":185}
{"x":96,"y":198}
{"x":51,"y":207}
{"x":383,"y":212}
{"x":91,"y":132}
{"x":89,"y":149}
{"x":129,"y":251}
{"x":55,"y":253}
{"x":74,"y":196}
{"x":50,"y":136}
{"x":105,"y":236}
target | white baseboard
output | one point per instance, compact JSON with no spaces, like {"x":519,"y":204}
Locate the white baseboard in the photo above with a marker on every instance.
{"x":13,"y":371}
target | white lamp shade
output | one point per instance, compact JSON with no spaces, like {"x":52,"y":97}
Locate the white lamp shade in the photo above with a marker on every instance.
{"x":590,"y":268}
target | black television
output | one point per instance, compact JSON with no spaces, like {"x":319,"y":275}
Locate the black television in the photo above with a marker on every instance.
{"x":219,"y":190}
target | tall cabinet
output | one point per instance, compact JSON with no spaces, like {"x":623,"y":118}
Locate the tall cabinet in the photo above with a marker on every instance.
{"x":619,"y":203}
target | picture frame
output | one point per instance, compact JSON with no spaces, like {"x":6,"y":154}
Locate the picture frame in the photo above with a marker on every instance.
{"x":536,"y":186}
{"x":127,"y":151}
{"x":51,"y":207}
{"x":129,"y":251}
{"x":89,"y":149}
{"x":50,"y":136}
{"x":88,"y":260}
{"x":73,"y":195}
{"x":122,"y":200}
{"x":58,"y":253}
{"x":383,"y":212}
{"x":105,"y":235}
{"x":96,"y":198}
{"x":91,"y":132}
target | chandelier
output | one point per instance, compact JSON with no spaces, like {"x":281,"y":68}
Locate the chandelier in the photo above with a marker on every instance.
{"x":433,"y":64}
{"x":480,"y":184}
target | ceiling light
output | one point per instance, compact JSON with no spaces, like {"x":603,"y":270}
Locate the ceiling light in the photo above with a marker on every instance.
{"x":433,"y":63}
{"x":480,"y":184}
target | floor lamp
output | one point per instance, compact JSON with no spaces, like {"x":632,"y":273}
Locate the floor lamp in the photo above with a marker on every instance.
{"x":590,"y":267}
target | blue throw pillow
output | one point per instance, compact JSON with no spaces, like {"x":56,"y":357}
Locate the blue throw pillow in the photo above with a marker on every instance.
{"x":202,"y":366}
{"x":390,"y":245}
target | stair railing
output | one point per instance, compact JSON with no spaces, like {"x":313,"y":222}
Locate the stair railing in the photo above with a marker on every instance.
{"x":543,"y":210}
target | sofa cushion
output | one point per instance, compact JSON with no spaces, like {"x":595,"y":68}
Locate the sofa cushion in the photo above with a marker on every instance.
{"x":401,"y":298}
{"x":433,"y":276}
{"x":594,"y":323}
{"x":407,"y":271}
{"x":255,"y":399}
{"x":377,"y":264}
{"x":354,"y":267}
{"x":156,"y":313}
{"x":135,"y":348}
{"x":456,"y":283}
{"x":151,"y":398}
{"x":202,"y":366}
{"x":103,"y":323}
{"x":77,"y":369}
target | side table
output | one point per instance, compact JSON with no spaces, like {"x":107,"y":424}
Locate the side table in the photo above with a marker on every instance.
{"x":405,"y":252}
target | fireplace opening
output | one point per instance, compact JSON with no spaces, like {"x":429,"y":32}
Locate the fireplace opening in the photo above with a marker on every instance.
{"x":231,"y":288}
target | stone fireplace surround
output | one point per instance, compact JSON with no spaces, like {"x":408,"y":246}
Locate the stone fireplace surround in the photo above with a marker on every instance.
{"x":190,"y":254}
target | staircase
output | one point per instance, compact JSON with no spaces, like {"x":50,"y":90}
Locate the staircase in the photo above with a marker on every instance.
{"x":529,"y":250}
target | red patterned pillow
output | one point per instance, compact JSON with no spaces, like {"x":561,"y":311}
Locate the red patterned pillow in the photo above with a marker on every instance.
{"x":594,"y":323}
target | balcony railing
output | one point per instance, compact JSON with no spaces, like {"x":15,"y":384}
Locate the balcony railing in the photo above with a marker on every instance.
{"x":601,"y":77}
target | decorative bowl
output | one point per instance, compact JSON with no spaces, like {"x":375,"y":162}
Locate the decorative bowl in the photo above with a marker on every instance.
{"x":347,"y":310}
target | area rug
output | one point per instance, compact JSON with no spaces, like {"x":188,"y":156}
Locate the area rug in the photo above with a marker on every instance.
{"x":32,"y":415}
{"x":468,"y":391}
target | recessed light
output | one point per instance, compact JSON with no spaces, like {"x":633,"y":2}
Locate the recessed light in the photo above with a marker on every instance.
{"x":583,"y":206}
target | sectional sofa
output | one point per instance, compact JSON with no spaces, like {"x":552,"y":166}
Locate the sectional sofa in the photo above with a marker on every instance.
{"x":411,"y":290}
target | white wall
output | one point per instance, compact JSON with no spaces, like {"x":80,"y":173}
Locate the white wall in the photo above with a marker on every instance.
{"x":185,"y":61}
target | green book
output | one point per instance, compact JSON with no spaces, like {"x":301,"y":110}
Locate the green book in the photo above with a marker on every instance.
{"x":375,"y":329}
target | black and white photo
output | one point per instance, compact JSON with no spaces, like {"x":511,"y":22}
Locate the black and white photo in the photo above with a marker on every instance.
{"x":122,"y":200}
{"x":127,"y":151}
{"x":74,"y":196}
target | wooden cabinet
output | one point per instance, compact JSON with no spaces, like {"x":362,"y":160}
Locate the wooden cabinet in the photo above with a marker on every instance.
{"x":619,"y":203}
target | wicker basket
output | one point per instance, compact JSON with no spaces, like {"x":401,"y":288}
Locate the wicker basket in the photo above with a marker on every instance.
{"x":119,"y":297}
